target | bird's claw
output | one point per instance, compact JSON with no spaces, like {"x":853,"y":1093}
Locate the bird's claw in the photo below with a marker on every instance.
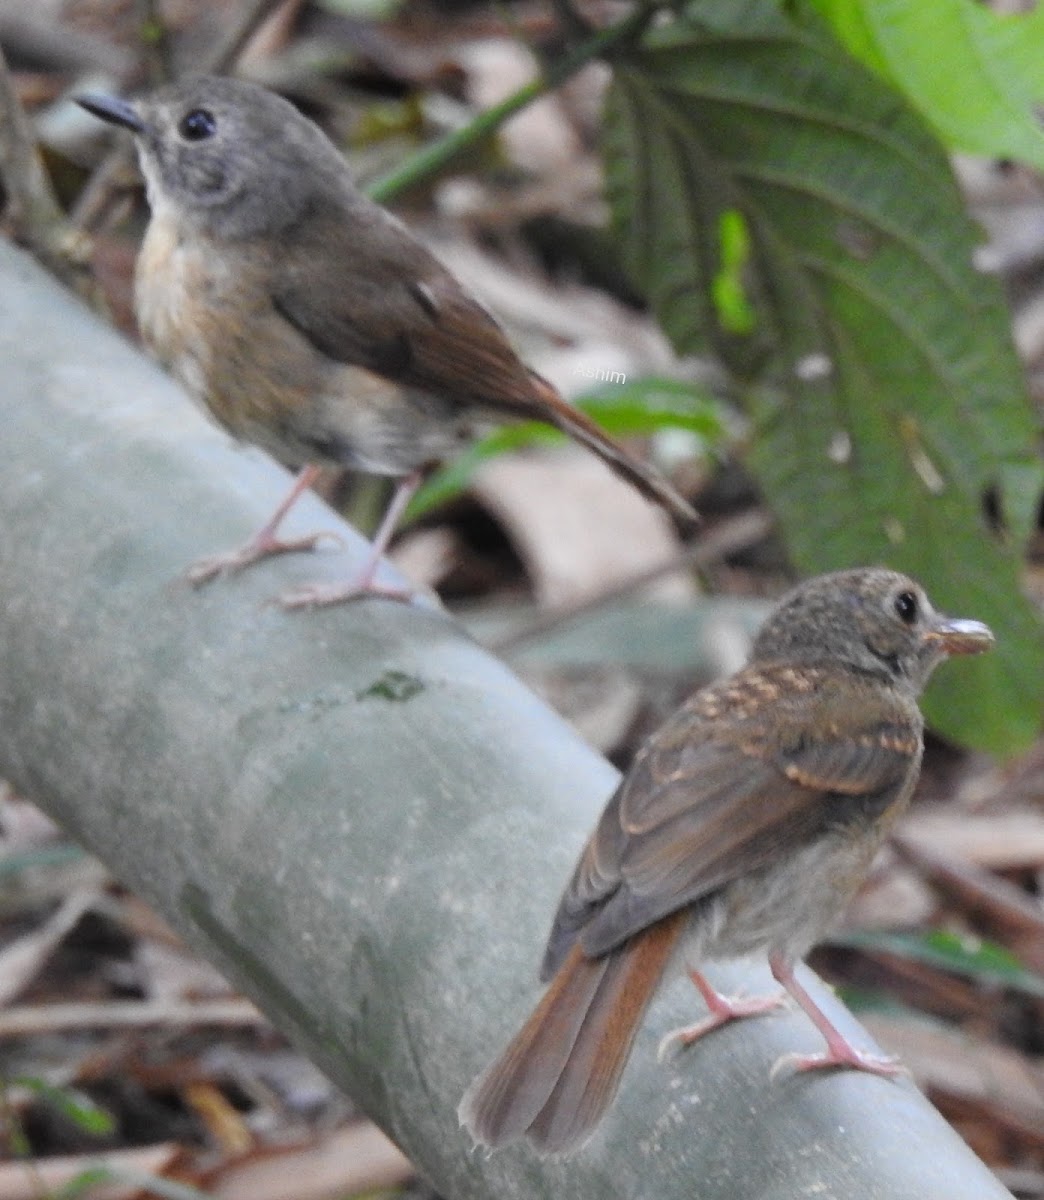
{"x":323,"y":595}
{"x":254,"y":551}
{"x":838,"y":1058}
{"x":723,"y":1009}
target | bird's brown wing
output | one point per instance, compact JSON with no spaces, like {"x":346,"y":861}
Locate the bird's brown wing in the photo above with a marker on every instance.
{"x":405,"y":317}
{"x":397,"y":311}
{"x":746,"y":771}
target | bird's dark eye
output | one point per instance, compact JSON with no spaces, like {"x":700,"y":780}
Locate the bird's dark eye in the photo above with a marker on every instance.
{"x":197,"y":125}
{"x":906,"y":607}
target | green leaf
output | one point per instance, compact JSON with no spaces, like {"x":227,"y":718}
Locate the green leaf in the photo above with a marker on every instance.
{"x":73,"y":1105}
{"x":975,"y":74}
{"x":880,"y":376}
{"x":975,"y":958}
{"x":735,"y":311}
{"x":638,"y":409}
{"x":650,"y":404}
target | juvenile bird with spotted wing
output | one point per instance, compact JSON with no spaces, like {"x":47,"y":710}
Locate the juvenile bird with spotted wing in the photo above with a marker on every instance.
{"x":744,"y":826}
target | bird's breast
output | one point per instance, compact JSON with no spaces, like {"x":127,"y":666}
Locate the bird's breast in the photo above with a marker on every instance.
{"x":204,"y":310}
{"x":175,"y":283}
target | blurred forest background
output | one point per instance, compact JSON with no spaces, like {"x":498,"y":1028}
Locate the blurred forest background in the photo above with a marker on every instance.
{"x":794,"y":252}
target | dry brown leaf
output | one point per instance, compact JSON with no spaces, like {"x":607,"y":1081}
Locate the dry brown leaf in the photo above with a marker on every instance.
{"x":24,"y":825}
{"x":601,"y":705}
{"x":578,"y":527}
{"x":549,"y":323}
{"x":223,"y":1122}
{"x":172,"y":973}
{"x":989,"y":902}
{"x":893,"y":898}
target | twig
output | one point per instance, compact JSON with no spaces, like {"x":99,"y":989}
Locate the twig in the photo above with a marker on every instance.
{"x":32,"y":1178}
{"x":357,"y":1160}
{"x":31,"y":211}
{"x":23,"y":1020}
{"x":731,"y":535}
{"x":430,"y":161}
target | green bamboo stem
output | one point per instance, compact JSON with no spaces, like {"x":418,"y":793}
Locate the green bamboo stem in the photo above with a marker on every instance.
{"x":363,"y":818}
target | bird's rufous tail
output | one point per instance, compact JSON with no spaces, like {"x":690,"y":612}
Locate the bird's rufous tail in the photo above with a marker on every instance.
{"x":560,"y":1072}
{"x":579,"y":426}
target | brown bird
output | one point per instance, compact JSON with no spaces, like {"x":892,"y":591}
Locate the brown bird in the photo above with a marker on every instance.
{"x":308,"y":319}
{"x":744,"y":826}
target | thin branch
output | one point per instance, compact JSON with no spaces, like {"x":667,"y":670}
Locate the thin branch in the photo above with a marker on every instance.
{"x":430,"y":161}
{"x":36,"y":36}
{"x":113,"y":175}
{"x":30,"y":1019}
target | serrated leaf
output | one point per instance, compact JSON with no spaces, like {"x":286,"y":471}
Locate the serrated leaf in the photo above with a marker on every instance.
{"x":975,"y":74}
{"x":880,"y":375}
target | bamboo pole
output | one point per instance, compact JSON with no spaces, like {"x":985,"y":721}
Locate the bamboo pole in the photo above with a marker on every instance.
{"x":358,"y":814}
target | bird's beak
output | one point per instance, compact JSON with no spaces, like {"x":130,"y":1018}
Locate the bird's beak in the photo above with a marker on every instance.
{"x":954,"y":635}
{"x":112,"y":109}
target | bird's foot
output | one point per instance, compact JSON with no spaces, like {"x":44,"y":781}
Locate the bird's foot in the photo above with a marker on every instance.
{"x":323,"y":595}
{"x":255,"y":550}
{"x":839,"y":1052}
{"x":723,"y":1009}
{"x":839,"y":1055}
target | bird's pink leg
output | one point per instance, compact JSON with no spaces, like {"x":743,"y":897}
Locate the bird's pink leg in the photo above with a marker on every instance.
{"x":839,"y":1052}
{"x":264,"y":543}
{"x":318,"y":595}
{"x":722,"y":1010}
